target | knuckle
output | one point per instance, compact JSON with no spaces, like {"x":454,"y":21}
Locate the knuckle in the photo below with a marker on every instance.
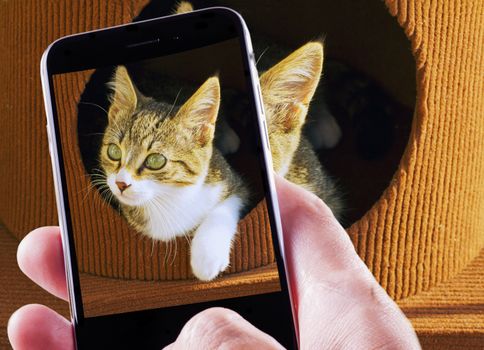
{"x":318,"y":207}
{"x":209,"y":328}
{"x":216,"y":315}
{"x":307,"y":202}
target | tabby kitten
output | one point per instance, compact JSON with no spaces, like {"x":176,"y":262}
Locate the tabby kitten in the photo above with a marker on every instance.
{"x":170,"y":181}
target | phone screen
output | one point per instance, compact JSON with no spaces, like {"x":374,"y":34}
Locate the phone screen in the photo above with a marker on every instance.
{"x":165,"y":187}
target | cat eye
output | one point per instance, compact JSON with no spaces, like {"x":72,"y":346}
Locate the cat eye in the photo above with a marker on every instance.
{"x":155,"y":161}
{"x":114,"y":152}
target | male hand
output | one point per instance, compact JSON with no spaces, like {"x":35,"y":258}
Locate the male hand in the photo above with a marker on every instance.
{"x":339,"y":304}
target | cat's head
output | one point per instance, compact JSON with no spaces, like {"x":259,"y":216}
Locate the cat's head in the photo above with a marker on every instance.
{"x":287,"y":89}
{"x":150,"y":148}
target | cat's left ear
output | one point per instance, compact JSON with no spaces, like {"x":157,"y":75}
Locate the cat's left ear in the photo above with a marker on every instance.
{"x":125,"y":95}
{"x":199,"y":113}
{"x":290,"y":85}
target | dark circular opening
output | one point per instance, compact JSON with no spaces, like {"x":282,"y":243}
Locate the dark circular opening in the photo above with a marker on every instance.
{"x":368,"y":86}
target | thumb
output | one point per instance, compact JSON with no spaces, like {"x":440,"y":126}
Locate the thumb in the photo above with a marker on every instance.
{"x":316,"y":245}
{"x":338,"y":302}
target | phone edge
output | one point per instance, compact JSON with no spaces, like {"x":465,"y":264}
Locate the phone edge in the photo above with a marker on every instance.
{"x":52,"y":141}
{"x":54,"y":158}
{"x":269,"y":166}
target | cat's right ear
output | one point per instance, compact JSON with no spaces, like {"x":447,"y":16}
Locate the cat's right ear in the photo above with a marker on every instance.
{"x":199,"y":113}
{"x":125,"y":96}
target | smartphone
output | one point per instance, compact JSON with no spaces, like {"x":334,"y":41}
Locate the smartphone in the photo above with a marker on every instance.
{"x":163,"y":180}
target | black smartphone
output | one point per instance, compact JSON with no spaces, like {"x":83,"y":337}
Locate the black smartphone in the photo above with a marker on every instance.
{"x":163,"y":179}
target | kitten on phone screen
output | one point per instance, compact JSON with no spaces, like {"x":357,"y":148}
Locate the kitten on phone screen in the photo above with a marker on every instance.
{"x":169,"y":180}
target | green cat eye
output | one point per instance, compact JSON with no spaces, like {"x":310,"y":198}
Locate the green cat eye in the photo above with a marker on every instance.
{"x":114,"y":152}
{"x":155,"y":161}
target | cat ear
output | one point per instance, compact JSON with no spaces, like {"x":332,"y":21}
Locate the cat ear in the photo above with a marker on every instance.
{"x":199,"y":113}
{"x":289,"y":86}
{"x":183,"y":7}
{"x":125,"y":96}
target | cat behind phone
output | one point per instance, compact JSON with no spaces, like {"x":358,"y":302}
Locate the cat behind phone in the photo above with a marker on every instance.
{"x":169,"y":180}
{"x":288,"y":87}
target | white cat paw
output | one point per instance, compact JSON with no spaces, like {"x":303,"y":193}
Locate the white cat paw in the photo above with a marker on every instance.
{"x":207,"y":263}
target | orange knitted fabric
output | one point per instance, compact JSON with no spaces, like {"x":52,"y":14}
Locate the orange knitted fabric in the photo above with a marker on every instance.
{"x":429,"y":222}
{"x":420,"y":237}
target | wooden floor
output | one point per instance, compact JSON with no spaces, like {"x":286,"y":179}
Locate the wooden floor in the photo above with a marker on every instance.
{"x":103,"y":296}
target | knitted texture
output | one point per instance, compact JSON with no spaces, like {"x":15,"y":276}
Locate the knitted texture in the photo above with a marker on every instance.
{"x":429,"y":222}
{"x":421,"y":235}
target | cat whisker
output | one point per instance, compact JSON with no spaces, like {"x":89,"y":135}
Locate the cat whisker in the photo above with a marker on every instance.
{"x":116,"y":130}
{"x":262,"y":54}
{"x":174,"y":102}
{"x":94,"y":104}
{"x":169,"y":244}
{"x":152,"y":246}
{"x":106,"y":197}
{"x":187,"y":238}
{"x":116,"y":134}
{"x":106,"y":193}
{"x":178,"y":228}
{"x":94,"y":175}
{"x":88,"y":191}
{"x":90,"y":187}
{"x":167,"y":252}
{"x":99,"y":180}
{"x":110,"y":198}
{"x":94,"y":134}
{"x":100,"y":185}
{"x":162,"y":206}
{"x":176,"y":249}
{"x":98,"y":170}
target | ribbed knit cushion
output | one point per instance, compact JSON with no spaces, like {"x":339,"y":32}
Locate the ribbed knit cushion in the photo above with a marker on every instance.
{"x":451,"y":314}
{"x":429,"y":222}
{"x":427,"y":225}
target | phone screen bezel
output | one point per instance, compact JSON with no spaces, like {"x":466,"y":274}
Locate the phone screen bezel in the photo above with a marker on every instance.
{"x":134,"y":42}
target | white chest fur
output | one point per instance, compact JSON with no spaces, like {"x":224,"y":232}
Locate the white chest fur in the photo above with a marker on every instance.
{"x":175,"y":211}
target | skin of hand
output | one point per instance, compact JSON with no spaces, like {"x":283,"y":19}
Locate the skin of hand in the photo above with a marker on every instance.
{"x":338,"y":302}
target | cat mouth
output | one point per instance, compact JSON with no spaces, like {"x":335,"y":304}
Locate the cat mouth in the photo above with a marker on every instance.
{"x":128,"y":196}
{"x":132,"y":199}
{"x":127,"y":199}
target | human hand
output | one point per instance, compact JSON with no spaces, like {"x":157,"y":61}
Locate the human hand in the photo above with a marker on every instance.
{"x":338,"y":303}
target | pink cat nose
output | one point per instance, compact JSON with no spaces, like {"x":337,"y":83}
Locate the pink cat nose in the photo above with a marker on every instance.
{"x":122,"y":185}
